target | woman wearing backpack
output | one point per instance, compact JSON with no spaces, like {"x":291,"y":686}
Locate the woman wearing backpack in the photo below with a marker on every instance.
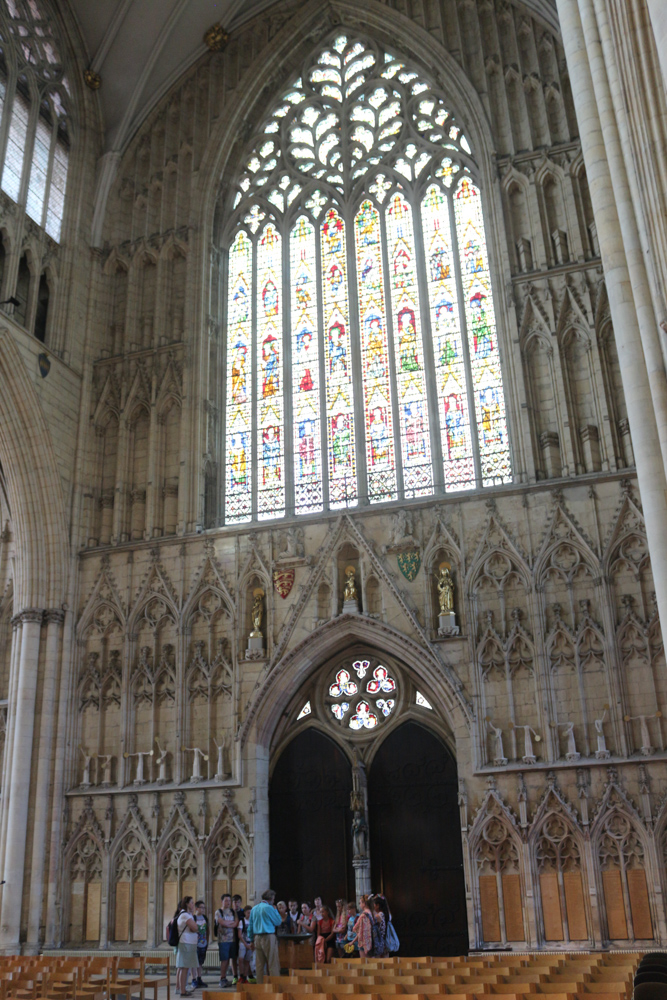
{"x":186,"y":949}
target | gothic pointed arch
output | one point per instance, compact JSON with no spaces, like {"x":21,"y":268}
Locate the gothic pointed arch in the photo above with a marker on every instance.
{"x":622,"y":853}
{"x":376,"y":425}
{"x":228,"y":854}
{"x":557,"y":846}
{"x":495,"y":849}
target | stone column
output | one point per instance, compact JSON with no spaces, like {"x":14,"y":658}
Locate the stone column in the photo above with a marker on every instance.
{"x":640,"y":357}
{"x":658,"y":12}
{"x":19,"y":781}
{"x":54,"y":620}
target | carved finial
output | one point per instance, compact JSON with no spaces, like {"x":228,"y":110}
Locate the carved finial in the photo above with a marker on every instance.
{"x":551,"y":779}
{"x":134,"y":799}
{"x":612,"y":775}
{"x":628,"y":602}
{"x":491,"y":783}
{"x":179,"y":798}
{"x":585,"y":606}
{"x":517,"y":615}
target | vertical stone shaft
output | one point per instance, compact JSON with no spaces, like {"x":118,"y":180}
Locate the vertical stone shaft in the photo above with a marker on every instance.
{"x":19,"y":781}
{"x":636,"y":356}
{"x":54,"y":620}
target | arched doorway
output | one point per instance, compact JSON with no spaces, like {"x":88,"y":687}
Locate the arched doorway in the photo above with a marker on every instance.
{"x":309,"y":809}
{"x":415,"y":839}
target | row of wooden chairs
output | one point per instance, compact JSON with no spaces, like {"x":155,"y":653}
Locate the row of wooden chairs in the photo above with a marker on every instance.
{"x":85,"y":978}
{"x":512,"y":977}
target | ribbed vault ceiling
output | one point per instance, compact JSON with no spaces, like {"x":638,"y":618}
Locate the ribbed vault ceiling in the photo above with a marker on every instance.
{"x":140,"y":47}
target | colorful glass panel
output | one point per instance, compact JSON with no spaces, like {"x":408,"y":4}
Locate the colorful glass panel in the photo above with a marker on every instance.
{"x":238,"y":495}
{"x":270,"y":424}
{"x":487,"y":381}
{"x":375,"y":356}
{"x":409,"y":351}
{"x":447,"y":343}
{"x":305,"y":371}
{"x":338,"y":364}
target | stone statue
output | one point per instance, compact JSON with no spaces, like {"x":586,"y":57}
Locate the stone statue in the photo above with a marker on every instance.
{"x":358,"y":793}
{"x":350,"y":591}
{"x":499,"y":757}
{"x":445,"y":589}
{"x":601,"y":753}
{"x":220,"y":769}
{"x":257,"y":613}
{"x":161,"y":763}
{"x":403,"y":527}
{"x":196,"y":762}
{"x":106,"y":763}
{"x":572,"y":752}
{"x":87,"y":761}
{"x":359,"y":836}
{"x":139,"y":776}
{"x":646,"y":748}
{"x":528,"y":753}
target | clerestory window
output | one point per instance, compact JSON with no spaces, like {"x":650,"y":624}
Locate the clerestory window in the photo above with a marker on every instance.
{"x":362,"y":361}
{"x":34,"y":131}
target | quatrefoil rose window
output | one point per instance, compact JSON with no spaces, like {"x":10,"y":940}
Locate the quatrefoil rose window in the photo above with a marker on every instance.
{"x":362,"y":704}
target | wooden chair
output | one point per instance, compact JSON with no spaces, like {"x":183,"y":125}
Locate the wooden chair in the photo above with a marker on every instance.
{"x":153,"y":982}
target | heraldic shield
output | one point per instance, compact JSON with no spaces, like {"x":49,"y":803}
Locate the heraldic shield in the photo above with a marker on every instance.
{"x":409,"y":563}
{"x":283,"y":581}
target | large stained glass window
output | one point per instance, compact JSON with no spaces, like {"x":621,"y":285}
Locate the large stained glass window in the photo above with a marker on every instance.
{"x":362,"y":353}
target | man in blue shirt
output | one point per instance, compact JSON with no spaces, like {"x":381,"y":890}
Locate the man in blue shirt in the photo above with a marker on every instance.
{"x":264,"y":918}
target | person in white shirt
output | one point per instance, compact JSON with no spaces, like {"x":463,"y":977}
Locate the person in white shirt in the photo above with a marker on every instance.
{"x":186,"y":953}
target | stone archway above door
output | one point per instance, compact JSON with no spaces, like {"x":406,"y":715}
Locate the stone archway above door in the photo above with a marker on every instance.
{"x":357,"y":697}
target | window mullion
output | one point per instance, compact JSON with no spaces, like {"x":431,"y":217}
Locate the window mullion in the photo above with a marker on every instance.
{"x":429,"y":359}
{"x":255,"y":383}
{"x":49,"y":172}
{"x":29,"y":149}
{"x":324,"y":415}
{"x":10,"y":96}
{"x":356,"y":359}
{"x":226,"y":358}
{"x":393,"y":380}
{"x":288,"y":424}
{"x":456,"y":254}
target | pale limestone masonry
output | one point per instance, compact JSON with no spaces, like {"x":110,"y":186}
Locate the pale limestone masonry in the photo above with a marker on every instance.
{"x":125,"y":602}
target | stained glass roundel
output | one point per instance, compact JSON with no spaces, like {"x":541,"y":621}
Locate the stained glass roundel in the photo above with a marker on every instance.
{"x":358,"y":697}
{"x":362,"y":349}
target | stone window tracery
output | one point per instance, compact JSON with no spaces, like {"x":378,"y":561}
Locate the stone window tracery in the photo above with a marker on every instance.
{"x":34,"y":105}
{"x":362,"y":698}
{"x":358,"y":204}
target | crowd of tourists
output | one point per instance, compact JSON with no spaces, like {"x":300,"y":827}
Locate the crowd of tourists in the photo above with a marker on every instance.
{"x":248,"y":936}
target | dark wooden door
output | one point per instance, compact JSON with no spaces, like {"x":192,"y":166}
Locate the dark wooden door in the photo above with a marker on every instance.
{"x":415,"y":838}
{"x":310,"y":821}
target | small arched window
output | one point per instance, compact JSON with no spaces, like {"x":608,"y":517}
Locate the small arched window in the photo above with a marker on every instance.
{"x":362,"y":356}
{"x":34,"y":130}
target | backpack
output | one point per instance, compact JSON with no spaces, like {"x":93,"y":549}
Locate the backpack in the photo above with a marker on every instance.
{"x":173,"y":937}
{"x":393,"y":943}
{"x":215,"y":923}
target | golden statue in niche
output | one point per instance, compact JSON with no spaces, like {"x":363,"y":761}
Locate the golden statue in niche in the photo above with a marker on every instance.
{"x":350,"y":591}
{"x":257,"y":613}
{"x":445,"y":589}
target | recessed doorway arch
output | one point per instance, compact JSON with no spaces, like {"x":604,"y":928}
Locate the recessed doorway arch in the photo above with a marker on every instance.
{"x":415,"y":840}
{"x":409,"y":770}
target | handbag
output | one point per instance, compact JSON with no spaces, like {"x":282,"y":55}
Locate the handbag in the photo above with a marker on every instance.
{"x":393,"y":944}
{"x":349,"y":947}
